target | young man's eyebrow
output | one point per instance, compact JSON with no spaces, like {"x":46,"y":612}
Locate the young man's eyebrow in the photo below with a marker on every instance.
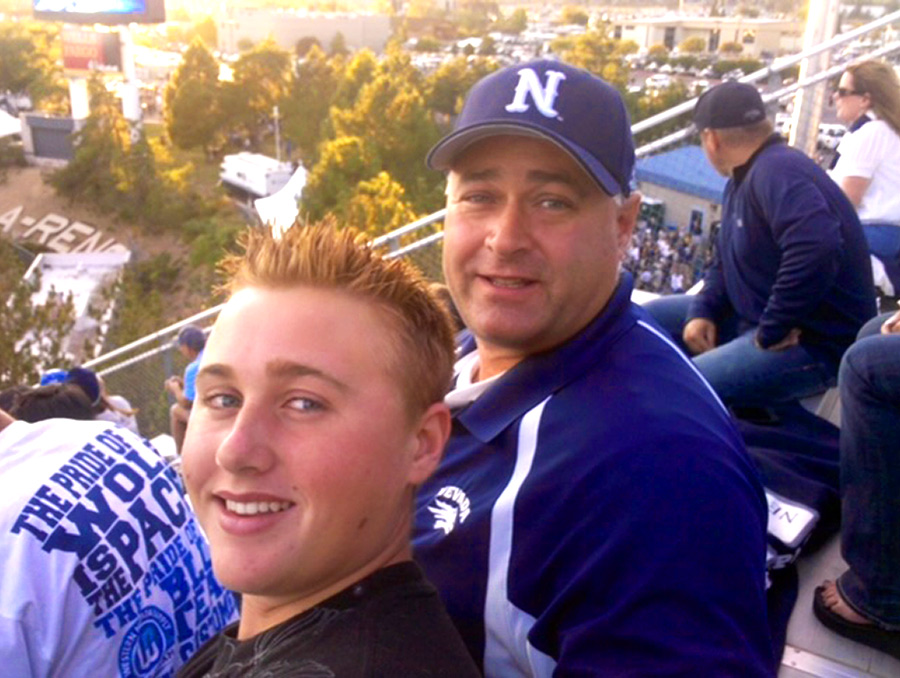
{"x":215,"y":370}
{"x":278,"y":369}
{"x":287,"y":369}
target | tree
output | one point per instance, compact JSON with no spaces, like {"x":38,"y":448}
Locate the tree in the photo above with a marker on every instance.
{"x":32,"y":335}
{"x":343,"y":163}
{"x":596,"y":52}
{"x":338,"y":46}
{"x":358,"y":71}
{"x":262,"y":79}
{"x":658,"y":53}
{"x":304,"y":44}
{"x":692,"y":45}
{"x":488,"y":46}
{"x":391,"y":112}
{"x":193,"y":105}
{"x":574,"y":15}
{"x":446,"y":88}
{"x":379,"y":206}
{"x":624,"y":47}
{"x":11,"y":155}
{"x":207,"y":31}
{"x":515,"y":23}
{"x":100,"y":148}
{"x":135,"y":180}
{"x":29,"y":62}
{"x":306,"y":107}
{"x":731,"y":48}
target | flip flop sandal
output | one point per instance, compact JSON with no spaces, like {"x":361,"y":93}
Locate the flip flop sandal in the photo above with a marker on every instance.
{"x":866,"y":634}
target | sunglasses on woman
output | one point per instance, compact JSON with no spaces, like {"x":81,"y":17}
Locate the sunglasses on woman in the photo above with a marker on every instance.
{"x":842,"y":92}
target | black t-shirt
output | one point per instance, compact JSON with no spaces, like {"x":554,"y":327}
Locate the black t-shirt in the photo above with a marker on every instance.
{"x":391,"y":624}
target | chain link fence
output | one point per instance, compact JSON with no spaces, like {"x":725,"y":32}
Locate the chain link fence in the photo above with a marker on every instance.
{"x":679,"y":216}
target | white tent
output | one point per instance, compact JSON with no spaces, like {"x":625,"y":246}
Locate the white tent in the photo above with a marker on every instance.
{"x":280,"y":209}
{"x":9,"y":125}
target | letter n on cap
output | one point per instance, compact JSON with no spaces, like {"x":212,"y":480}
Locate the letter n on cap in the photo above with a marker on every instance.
{"x":543,"y":96}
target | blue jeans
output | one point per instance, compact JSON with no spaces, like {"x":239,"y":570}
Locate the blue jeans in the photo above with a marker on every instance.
{"x":743,"y":374}
{"x":870,"y":477}
{"x":884,"y":243}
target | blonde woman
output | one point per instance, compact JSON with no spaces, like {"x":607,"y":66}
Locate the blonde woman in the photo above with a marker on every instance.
{"x":868,"y":163}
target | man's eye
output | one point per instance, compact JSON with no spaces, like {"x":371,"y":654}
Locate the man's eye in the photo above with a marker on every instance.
{"x":554,"y":204}
{"x":305,"y":404}
{"x":476,"y":198}
{"x":222,"y":401}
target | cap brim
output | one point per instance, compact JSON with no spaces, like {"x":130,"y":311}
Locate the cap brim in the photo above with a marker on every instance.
{"x":443,"y":154}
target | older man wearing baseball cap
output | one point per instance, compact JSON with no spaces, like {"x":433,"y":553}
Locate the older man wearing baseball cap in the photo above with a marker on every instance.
{"x":595,"y":513}
{"x":791,"y":284}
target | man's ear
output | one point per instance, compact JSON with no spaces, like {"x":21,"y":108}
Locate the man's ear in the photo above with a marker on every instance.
{"x":626,"y":219}
{"x":431,"y":435}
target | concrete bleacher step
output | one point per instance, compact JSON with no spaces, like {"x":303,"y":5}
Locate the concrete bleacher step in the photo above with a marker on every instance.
{"x":812,"y":649}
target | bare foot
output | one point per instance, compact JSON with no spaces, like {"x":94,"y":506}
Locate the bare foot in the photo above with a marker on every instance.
{"x":836,"y":604}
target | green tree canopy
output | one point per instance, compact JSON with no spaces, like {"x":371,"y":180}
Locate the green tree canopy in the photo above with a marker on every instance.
{"x":134,"y":179}
{"x":193,"y":99}
{"x":304,"y":44}
{"x":306,"y":107}
{"x":574,"y":15}
{"x":32,"y":335}
{"x":693,"y":45}
{"x":379,"y":206}
{"x":391,"y":112}
{"x":338,"y":46}
{"x":658,"y":53}
{"x":343,"y":163}
{"x":262,"y":79}
{"x":446,"y":88}
{"x":29,"y":58}
{"x":358,"y":71}
{"x":596,"y":52}
{"x":515,"y":23}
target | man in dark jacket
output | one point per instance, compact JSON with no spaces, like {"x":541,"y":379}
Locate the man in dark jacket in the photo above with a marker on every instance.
{"x":791,"y":283}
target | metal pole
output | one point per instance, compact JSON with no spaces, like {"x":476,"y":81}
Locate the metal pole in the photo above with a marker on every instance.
{"x":277,"y":135}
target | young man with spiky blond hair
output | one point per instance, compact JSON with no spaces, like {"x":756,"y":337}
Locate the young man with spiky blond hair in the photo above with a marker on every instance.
{"x":319,"y":412}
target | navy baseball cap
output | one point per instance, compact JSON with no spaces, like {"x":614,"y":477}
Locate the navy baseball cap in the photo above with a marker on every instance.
{"x":88,"y":382}
{"x":582,"y":114}
{"x":731,"y":104}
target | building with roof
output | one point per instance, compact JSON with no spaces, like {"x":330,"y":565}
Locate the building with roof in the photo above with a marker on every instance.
{"x":686,"y":183}
{"x":286,"y":27}
{"x":758,"y":37}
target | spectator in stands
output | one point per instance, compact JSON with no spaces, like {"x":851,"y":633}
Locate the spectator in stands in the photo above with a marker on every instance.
{"x":864,"y":603}
{"x":311,"y":430}
{"x":55,"y":400}
{"x":105,"y":571}
{"x":596,"y":513}
{"x":190,"y":342}
{"x":113,"y":408}
{"x":867,"y":166}
{"x":791,"y":284}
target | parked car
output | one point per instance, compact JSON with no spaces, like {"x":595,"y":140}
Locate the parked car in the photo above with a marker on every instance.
{"x":658,"y":81}
{"x":830,"y":135}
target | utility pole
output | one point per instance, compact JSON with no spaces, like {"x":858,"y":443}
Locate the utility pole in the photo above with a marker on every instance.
{"x":277,"y":135}
{"x":821,"y":25}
